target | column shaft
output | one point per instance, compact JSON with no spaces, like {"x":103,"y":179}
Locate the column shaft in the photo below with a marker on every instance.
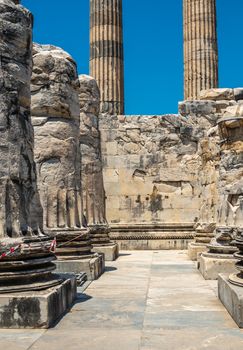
{"x":106,"y":53}
{"x":200,"y":47}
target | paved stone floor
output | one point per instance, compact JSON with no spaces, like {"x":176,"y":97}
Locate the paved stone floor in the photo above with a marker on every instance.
{"x":145,"y":301}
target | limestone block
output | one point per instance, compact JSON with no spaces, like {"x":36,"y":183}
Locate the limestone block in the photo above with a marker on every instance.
{"x":111,"y":148}
{"x":93,"y":266}
{"x":113,"y":202}
{"x":234,"y":111}
{"x":112,"y":189}
{"x":195,"y":249}
{"x":197,"y":107}
{"x":107,"y":135}
{"x":175,"y":174}
{"x":217,"y":94}
{"x":38,"y":309}
{"x":231,"y":297}
{"x":109,"y":251}
{"x":238,"y":93}
{"x":211,"y":266}
{"x":117,"y":162}
{"x":111,"y":175}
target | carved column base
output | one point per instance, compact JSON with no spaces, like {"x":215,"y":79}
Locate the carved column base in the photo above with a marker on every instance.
{"x":74,"y":253}
{"x":222,"y":243}
{"x":204,"y":234}
{"x":101,"y":242}
{"x":99,"y":234}
{"x":38,"y":308}
{"x":72,"y":244}
{"x":237,"y":278}
{"x":28,"y":264}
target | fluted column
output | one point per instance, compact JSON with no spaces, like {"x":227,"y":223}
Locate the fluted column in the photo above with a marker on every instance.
{"x":200,"y":47}
{"x":106,"y":53}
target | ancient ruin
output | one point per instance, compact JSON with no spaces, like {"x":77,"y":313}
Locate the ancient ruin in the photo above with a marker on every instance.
{"x":26,"y":257}
{"x":91,"y":169}
{"x":80,"y":181}
{"x":231,"y":208}
{"x":55,"y":116}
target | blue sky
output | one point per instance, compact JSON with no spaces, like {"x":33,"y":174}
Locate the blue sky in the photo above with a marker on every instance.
{"x":152,"y":45}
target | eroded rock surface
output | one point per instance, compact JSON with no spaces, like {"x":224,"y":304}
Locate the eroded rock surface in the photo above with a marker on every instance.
{"x":55,"y":117}
{"x":26,"y":261}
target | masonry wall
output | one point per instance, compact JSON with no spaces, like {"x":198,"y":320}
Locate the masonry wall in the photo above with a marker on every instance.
{"x":150,"y":169}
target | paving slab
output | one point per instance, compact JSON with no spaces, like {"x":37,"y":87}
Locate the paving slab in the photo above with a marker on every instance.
{"x":145,"y":301}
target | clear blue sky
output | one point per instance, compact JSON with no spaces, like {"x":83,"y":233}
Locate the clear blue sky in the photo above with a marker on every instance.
{"x":152,"y":45}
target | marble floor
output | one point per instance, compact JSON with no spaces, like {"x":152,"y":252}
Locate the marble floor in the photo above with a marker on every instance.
{"x":146,"y":300}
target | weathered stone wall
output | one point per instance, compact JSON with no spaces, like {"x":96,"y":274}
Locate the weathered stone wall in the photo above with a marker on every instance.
{"x":161,"y":173}
{"x":150,"y":169}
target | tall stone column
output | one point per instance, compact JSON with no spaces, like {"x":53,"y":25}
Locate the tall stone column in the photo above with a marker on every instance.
{"x":26,"y":258}
{"x":91,"y":169}
{"x":55,"y":116}
{"x":200,"y":47}
{"x":106,"y":53}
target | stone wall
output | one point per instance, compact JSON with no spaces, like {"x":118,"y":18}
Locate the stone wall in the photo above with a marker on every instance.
{"x":161,"y":172}
{"x":149,"y":169}
{"x":150,"y":173}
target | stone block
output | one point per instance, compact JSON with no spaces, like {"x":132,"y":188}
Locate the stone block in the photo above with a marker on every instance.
{"x":111,"y":175}
{"x":211,"y":265}
{"x":38,"y":309}
{"x":111,"y":148}
{"x":153,"y":244}
{"x":110,"y":251}
{"x":217,"y":94}
{"x":93,"y":266}
{"x":231,"y":297}
{"x":197,"y":108}
{"x":195,"y":249}
{"x":112,"y":188}
{"x":238,"y":93}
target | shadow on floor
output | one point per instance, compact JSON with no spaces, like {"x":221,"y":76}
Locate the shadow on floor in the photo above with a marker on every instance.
{"x":124,"y":254}
{"x":110,"y":268}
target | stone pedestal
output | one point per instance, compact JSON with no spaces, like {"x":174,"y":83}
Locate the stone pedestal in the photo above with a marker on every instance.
{"x":37,"y":309}
{"x":211,"y":265}
{"x":203,"y":236}
{"x":93,"y":265}
{"x":232,"y":298}
{"x":109,"y":250}
{"x":194,"y":249}
{"x":219,"y":258}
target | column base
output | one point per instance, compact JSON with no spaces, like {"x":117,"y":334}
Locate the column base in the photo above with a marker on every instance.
{"x":210,"y":265}
{"x":37,"y":309}
{"x":110,"y":251}
{"x":231,"y":297}
{"x":194,"y":249}
{"x":93,"y":265}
